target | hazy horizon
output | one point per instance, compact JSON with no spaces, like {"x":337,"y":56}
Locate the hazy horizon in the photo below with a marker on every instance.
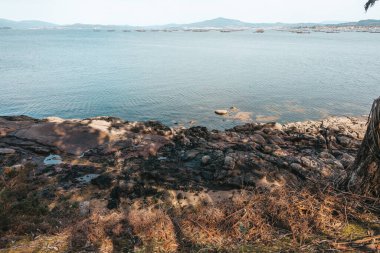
{"x":146,"y":12}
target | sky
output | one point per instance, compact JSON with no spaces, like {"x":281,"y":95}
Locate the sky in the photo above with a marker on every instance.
{"x":157,"y":12}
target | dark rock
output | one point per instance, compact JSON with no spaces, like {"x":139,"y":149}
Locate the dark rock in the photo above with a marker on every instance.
{"x":236,"y":182}
{"x":207,"y":175}
{"x":199,"y":132}
{"x":229,"y":163}
{"x":347,"y":160}
{"x":258,"y":139}
{"x":343,"y":140}
{"x":243,"y":147}
{"x":103,"y":181}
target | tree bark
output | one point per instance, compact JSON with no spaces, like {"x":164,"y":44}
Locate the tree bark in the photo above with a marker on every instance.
{"x":364,"y":176}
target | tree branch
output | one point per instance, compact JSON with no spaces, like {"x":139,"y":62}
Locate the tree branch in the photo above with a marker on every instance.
{"x":369,"y":4}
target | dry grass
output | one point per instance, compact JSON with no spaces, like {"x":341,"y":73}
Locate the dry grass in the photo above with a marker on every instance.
{"x":264,"y":217}
{"x":155,"y":229}
{"x":312,"y":218}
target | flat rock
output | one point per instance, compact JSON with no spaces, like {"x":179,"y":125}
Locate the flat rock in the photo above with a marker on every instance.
{"x":53,"y":160}
{"x":7,"y":151}
{"x":258,"y":139}
{"x":221,"y":112}
{"x":73,"y":138}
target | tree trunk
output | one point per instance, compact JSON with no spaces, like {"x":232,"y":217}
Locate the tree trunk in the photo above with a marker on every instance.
{"x":364,"y":176}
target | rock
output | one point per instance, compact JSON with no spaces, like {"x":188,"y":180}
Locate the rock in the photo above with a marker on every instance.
{"x":235,"y":182}
{"x":206,"y":159}
{"x":7,"y":151}
{"x":84,"y":208}
{"x":53,"y":160}
{"x":309,"y":163}
{"x":347,"y":160}
{"x":18,"y":167}
{"x":277,"y":126}
{"x":86,"y":178}
{"x":326,"y":155}
{"x":276,"y":140}
{"x":207,"y":175}
{"x":221,"y":112}
{"x":268,"y":149}
{"x":338,"y":165}
{"x":191,"y":154}
{"x":229,"y":162}
{"x":258,"y":139}
{"x":103,"y":181}
{"x":343,"y":140}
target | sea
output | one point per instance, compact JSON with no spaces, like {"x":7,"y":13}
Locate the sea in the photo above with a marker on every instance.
{"x":181,"y":78}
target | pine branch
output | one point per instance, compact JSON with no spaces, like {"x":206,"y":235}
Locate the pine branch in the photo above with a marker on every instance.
{"x":369,"y":4}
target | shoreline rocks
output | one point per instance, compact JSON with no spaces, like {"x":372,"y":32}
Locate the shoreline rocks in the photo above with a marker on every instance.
{"x":178,"y":158}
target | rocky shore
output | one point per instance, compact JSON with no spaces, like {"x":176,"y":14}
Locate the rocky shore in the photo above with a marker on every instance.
{"x":108,"y":170}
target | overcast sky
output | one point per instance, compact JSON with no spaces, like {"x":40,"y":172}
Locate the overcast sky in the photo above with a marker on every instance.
{"x":151,"y":12}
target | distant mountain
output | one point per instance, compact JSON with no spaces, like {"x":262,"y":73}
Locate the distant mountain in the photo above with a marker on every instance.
{"x":219,"y":23}
{"x":212,"y":23}
{"x":26,"y":24}
{"x":97,"y":26}
{"x":368,"y":22}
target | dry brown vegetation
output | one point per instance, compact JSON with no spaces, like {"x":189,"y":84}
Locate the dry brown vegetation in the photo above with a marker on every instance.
{"x":312,"y":218}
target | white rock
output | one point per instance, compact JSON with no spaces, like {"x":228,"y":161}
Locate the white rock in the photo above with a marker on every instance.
{"x":87,"y":178}
{"x":53,"y":160}
{"x":277,"y":126}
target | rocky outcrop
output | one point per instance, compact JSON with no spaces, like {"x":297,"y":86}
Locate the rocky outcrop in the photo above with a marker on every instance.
{"x":89,"y":178}
{"x":251,"y":155}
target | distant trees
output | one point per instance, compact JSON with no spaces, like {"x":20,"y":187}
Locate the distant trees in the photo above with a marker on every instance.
{"x":370,"y":3}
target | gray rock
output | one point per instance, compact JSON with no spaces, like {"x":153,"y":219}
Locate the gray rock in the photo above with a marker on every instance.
{"x":347,"y":160}
{"x":326,"y":155}
{"x":229,"y":162}
{"x":258,"y":139}
{"x":7,"y":151}
{"x":297,"y":167}
{"x":338,"y":165}
{"x":191,"y":154}
{"x":206,"y":159}
{"x":235,"y":181}
{"x":53,"y":160}
{"x":343,"y":140}
{"x":276,"y":140}
{"x":207,"y":175}
{"x":84,"y":208}
{"x":87,"y":178}
{"x":310,"y":163}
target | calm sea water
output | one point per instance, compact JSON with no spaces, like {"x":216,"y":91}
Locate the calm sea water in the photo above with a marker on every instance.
{"x":184,"y":76}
